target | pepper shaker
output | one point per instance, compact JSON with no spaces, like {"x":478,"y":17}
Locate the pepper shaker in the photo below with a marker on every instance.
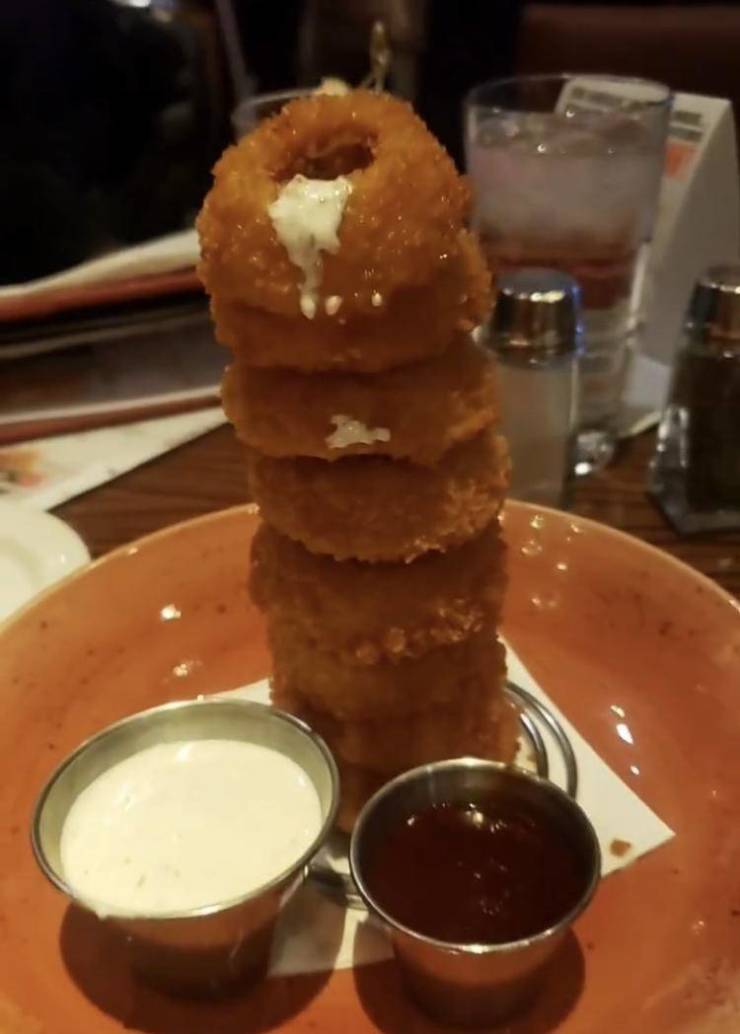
{"x":535,"y":336}
{"x":695,"y":473}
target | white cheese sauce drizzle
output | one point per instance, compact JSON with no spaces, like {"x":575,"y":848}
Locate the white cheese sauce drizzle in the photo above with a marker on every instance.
{"x":307,"y":215}
{"x":353,"y":432}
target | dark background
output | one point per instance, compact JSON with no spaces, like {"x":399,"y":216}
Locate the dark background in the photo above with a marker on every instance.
{"x":112,"y":115}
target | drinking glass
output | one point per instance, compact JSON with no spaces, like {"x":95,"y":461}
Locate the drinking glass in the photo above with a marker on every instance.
{"x":566,"y":171}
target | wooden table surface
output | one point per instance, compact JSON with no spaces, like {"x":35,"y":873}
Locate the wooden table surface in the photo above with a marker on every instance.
{"x":208,"y":474}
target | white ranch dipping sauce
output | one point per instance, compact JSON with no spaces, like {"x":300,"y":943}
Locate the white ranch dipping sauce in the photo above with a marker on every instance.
{"x":182,"y":825}
{"x":306,"y":216}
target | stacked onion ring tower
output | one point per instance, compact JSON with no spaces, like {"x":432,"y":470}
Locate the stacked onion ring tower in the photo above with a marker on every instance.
{"x":344,"y":282}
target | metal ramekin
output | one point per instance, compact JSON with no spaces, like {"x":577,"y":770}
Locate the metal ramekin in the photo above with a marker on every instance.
{"x":209,"y":949}
{"x":471,"y":984}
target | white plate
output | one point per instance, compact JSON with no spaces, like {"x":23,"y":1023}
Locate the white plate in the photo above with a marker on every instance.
{"x":36,"y":550}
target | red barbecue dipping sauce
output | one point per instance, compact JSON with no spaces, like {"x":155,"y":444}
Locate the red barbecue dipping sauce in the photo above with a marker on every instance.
{"x":483,"y":873}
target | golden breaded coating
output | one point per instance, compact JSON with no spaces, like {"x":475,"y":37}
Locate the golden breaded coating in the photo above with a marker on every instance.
{"x":464,"y":726}
{"x":413,"y":412}
{"x":376,"y":509}
{"x":388,"y":747}
{"x":402,"y":216}
{"x":412,"y":324}
{"x":496,"y":742}
{"x":366,"y":613}
{"x":342,"y":278}
{"x":384,"y":691}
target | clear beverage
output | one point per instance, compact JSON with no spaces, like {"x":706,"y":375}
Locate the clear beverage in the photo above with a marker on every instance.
{"x":565,"y":172}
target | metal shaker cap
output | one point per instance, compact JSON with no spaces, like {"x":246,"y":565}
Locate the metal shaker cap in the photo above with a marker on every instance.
{"x":714,"y":310}
{"x":535,"y":310}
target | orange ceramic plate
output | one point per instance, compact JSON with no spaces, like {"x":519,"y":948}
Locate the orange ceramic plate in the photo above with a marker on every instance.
{"x":616,"y":632}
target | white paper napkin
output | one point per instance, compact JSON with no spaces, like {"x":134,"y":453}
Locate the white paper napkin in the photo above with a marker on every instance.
{"x":162,"y":255}
{"x":615,"y":810}
{"x":45,"y":472}
{"x":645,"y":391}
{"x":315,"y":934}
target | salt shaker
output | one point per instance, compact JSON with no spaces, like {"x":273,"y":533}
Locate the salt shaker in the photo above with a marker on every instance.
{"x":695,"y":473}
{"x":535,"y":335}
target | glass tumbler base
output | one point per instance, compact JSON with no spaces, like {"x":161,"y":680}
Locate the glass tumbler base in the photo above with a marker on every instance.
{"x":595,"y":449}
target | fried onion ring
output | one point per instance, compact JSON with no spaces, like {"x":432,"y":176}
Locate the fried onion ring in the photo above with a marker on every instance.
{"x":467,"y":725}
{"x":497,"y":742}
{"x":367,"y":613}
{"x":439,"y":678}
{"x":373,"y":508}
{"x":401,"y":219}
{"x":415,"y":323}
{"x":413,"y":412}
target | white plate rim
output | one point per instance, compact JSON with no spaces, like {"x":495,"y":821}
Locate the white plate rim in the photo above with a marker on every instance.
{"x":54,"y":548}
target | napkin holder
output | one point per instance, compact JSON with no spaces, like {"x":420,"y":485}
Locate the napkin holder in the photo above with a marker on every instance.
{"x":698,"y":218}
